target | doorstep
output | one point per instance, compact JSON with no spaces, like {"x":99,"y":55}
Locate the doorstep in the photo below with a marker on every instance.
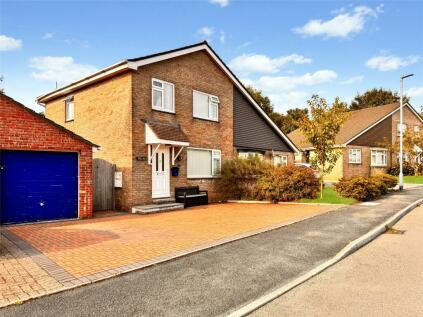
{"x":154,"y":208}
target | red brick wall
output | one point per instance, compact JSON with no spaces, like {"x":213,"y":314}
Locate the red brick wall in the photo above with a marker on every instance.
{"x":190,"y":72}
{"x":21,"y":129}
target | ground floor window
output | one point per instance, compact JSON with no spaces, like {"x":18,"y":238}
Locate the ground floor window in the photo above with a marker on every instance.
{"x":354,"y":156}
{"x":247,"y":154}
{"x":203,"y":163}
{"x":379,"y":157}
{"x":279,"y":159}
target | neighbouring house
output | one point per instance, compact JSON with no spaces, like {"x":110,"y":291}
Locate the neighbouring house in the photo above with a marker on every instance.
{"x":360,"y":140}
{"x":45,"y":169}
{"x":167,"y":120}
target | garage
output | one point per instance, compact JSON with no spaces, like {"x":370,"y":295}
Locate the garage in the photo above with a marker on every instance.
{"x":45,"y":169}
{"x":38,"y":186}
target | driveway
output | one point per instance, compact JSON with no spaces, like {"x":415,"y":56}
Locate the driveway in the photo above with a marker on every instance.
{"x":382,"y":279}
{"x":217,"y":281}
{"x":68,"y":254}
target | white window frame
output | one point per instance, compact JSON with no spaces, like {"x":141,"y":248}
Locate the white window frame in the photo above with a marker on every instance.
{"x":416,"y":129}
{"x":383,"y":162}
{"x":284,"y":160}
{"x":161,"y":90}
{"x":356,"y":156}
{"x":210,"y":102}
{"x":69,"y":101}
{"x":248,"y":154}
{"x":214,"y":153}
{"x":399,"y":128}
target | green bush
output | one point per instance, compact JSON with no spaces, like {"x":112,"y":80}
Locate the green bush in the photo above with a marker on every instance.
{"x":407,"y":169}
{"x":389,"y":180}
{"x":360,"y":188}
{"x":239,"y":177}
{"x":288,"y":183}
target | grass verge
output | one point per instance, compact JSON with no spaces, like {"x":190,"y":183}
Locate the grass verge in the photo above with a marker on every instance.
{"x":330,"y":196}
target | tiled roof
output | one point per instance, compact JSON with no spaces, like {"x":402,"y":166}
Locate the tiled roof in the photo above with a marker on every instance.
{"x":168,"y":131}
{"x":357,"y":121}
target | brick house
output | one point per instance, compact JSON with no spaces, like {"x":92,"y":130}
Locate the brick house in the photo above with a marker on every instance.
{"x":361,"y":137}
{"x":177,"y":112}
{"x":45,"y":170}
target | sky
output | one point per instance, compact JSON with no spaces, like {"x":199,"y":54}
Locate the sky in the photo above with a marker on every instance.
{"x":288,"y":49}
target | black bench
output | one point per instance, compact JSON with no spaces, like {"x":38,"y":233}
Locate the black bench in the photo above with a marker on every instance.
{"x":191,"y":196}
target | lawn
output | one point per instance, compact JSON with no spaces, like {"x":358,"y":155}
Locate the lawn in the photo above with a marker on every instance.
{"x":330,"y":196}
{"x":413,"y":179}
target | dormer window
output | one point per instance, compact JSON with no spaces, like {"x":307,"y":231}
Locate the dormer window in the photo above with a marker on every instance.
{"x":69,"y":109}
{"x":163,"y":96}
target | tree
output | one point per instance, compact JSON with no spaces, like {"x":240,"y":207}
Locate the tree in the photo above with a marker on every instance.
{"x":287,"y":123}
{"x":320,"y":128}
{"x":375,"y":97}
{"x":411,"y":142}
{"x":262,"y":100}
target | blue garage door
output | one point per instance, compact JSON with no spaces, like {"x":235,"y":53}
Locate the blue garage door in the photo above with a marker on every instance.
{"x":38,"y":186}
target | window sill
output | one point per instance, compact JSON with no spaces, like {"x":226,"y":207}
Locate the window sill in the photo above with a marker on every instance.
{"x":378,"y":165}
{"x":355,"y":163}
{"x":70,"y":120}
{"x":206,"y":119}
{"x":165,"y":111}
{"x":202,"y":177}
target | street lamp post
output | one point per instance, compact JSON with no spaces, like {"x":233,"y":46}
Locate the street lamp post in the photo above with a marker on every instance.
{"x":401,"y":174}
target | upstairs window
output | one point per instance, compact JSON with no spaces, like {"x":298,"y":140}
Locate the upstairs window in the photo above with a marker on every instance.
{"x":417,"y":129}
{"x":205,"y":106}
{"x":69,"y":109}
{"x":404,"y":128}
{"x":354,"y":156}
{"x":163,"y":96}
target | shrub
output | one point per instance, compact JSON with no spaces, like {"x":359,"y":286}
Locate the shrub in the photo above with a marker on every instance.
{"x":360,"y":188}
{"x":239,"y":177}
{"x":288,"y":183}
{"x":407,"y":169}
{"x":389,"y":180}
{"x":420,"y":169}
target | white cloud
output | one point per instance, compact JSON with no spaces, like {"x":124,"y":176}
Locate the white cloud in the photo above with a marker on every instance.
{"x":342,"y":25}
{"x":222,"y":37}
{"x":251,"y":63}
{"x":48,"y":36}
{"x":353,"y":80}
{"x":221,"y":3}
{"x":206,"y":31}
{"x":61,"y":69}
{"x":9,"y":43}
{"x":285,"y":91}
{"x":415,"y":92}
{"x":390,"y":62}
{"x":278,"y":83}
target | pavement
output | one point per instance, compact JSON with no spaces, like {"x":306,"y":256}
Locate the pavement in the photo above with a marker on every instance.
{"x":220,"y":280}
{"x":384,"y":278}
{"x":40,"y":259}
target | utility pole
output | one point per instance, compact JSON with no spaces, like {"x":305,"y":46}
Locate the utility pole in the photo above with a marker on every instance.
{"x":401,"y":155}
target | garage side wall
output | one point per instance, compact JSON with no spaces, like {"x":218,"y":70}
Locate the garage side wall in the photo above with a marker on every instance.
{"x":21,"y":129}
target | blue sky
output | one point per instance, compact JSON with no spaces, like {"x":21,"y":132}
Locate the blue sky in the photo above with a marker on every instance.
{"x":289,"y":49}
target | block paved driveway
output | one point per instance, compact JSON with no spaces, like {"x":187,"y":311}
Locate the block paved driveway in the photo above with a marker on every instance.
{"x":39,"y":259}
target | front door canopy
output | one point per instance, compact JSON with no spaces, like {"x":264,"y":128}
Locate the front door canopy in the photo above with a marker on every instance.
{"x":165,"y":133}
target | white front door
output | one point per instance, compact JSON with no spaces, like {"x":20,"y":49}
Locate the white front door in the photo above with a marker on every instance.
{"x":160,"y":170}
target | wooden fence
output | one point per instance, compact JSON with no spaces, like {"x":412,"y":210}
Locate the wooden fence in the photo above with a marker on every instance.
{"x":103,"y":185}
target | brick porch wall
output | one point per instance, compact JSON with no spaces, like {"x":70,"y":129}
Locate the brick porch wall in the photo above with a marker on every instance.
{"x":21,"y":129}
